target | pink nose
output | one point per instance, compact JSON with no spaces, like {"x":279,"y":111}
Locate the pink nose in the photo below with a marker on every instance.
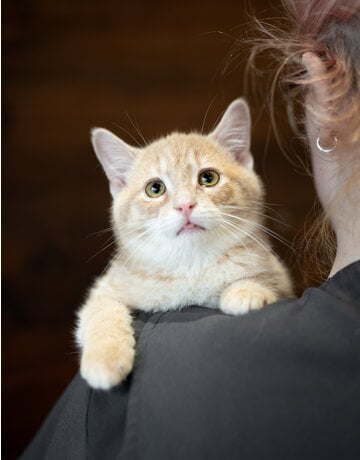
{"x":185,"y":208}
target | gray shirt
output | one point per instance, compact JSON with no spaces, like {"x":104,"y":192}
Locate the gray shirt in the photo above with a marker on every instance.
{"x":279,"y":383}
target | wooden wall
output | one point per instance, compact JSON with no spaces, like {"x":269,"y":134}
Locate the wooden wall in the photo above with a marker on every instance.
{"x":69,"y":66}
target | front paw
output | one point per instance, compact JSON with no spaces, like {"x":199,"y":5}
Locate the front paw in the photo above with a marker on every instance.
{"x":243,"y":296}
{"x":107,"y":364}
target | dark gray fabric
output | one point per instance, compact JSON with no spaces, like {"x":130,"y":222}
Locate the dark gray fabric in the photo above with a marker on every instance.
{"x":64,"y":434}
{"x":279,"y":383}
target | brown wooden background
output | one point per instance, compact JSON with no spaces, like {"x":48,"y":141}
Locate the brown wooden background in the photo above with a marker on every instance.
{"x":69,"y":66}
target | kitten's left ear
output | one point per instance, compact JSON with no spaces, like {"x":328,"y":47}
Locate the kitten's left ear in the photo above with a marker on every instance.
{"x":233,"y":132}
{"x":115,"y":156}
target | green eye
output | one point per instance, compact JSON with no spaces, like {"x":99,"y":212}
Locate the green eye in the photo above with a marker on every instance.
{"x":209,"y":178}
{"x":155,"y":188}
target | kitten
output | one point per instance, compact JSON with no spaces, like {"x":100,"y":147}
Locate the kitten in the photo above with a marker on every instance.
{"x":187,"y":216}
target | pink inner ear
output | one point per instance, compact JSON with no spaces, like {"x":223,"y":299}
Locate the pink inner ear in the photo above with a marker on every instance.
{"x":121,"y":181}
{"x":246,"y":159}
{"x":116,"y":186}
{"x":115,"y":156}
{"x":117,"y":183}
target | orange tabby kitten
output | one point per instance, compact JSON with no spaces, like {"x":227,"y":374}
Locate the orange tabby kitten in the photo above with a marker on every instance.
{"x":187,"y":215}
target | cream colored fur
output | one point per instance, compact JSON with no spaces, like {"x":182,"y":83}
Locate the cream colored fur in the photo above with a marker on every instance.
{"x":225,"y":262}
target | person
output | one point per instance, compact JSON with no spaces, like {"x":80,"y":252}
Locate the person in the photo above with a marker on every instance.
{"x":282,"y":382}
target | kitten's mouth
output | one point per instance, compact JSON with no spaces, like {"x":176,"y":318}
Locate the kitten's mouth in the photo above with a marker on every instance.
{"x":190,"y":227}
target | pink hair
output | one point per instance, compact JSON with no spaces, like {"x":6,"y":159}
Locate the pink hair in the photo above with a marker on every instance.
{"x":312,"y":17}
{"x":331,"y":30}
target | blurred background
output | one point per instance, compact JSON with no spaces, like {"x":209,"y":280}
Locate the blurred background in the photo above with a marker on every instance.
{"x":130,"y":66}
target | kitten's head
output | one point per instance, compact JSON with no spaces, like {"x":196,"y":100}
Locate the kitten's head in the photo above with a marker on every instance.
{"x":183,"y":192}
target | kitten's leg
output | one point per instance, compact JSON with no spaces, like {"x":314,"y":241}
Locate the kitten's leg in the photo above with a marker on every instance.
{"x":245,"y":295}
{"x":106,"y":337}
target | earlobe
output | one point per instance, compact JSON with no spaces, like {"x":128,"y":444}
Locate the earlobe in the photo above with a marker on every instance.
{"x":116,"y":157}
{"x":233,"y":132}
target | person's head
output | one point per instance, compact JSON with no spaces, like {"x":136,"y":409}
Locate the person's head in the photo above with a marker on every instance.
{"x":320,"y":60}
{"x":326,"y":34}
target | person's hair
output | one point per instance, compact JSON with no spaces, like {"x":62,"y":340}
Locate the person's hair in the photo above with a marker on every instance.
{"x":329,"y":29}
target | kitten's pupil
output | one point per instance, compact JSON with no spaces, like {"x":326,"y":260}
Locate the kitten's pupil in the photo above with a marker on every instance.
{"x":209,"y":178}
{"x":155,"y":189}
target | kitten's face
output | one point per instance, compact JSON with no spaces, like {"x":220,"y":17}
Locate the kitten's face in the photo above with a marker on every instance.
{"x":183,"y":193}
{"x":180,"y":190}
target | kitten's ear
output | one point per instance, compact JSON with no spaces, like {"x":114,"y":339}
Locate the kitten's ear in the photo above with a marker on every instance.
{"x":115,"y":156}
{"x":233,"y":132}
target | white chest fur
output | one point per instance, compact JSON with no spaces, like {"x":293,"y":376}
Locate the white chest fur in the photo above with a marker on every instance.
{"x":197,"y":285}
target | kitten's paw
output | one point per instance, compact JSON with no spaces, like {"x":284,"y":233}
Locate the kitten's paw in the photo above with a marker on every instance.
{"x":106,"y":366}
{"x":243,"y":296}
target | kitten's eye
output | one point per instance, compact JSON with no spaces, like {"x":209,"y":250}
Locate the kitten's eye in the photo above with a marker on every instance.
{"x":209,"y":178}
{"x":155,"y":188}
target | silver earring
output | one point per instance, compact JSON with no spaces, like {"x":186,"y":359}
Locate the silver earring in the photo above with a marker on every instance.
{"x":323,"y":149}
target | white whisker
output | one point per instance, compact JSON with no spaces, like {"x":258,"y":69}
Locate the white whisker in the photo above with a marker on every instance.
{"x":260,"y":227}
{"x":249,"y":235}
{"x":112,"y":242}
{"x":100,"y":232}
{"x":259,"y":212}
{"x":136,"y":127}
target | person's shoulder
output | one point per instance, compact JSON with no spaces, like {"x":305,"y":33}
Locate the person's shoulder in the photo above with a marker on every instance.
{"x":278,"y":373}
{"x":317,"y":312}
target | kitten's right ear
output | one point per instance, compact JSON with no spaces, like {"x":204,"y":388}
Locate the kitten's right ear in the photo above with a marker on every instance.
{"x":115,"y":156}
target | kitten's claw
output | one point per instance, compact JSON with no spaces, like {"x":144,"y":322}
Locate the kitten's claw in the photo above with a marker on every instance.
{"x":242,"y":297}
{"x":105,"y":367}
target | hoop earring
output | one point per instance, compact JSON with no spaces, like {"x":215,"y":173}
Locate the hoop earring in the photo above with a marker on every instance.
{"x":323,"y":149}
